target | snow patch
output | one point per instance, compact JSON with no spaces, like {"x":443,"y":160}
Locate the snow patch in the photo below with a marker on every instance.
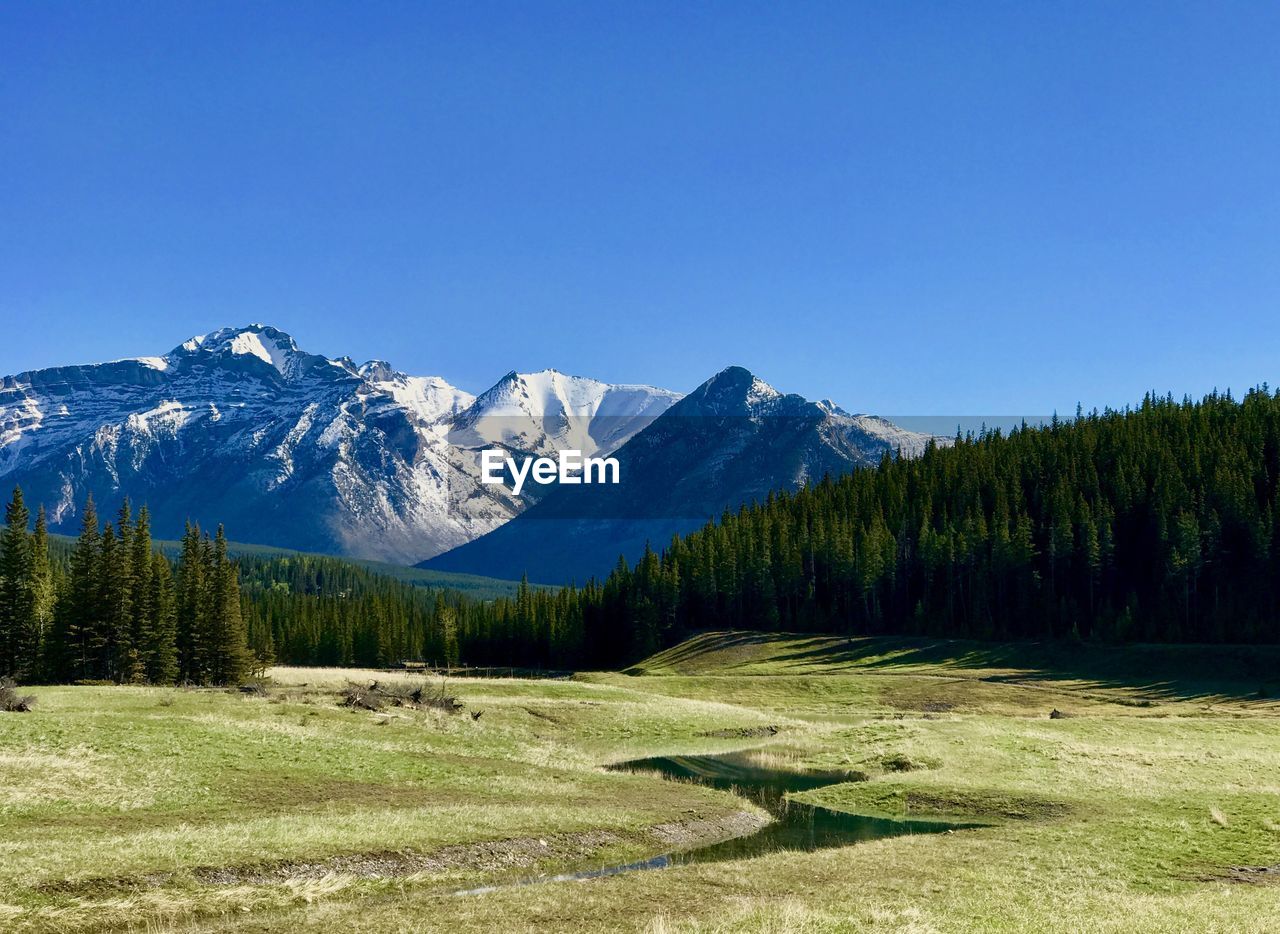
{"x":429,"y":397}
{"x":170,"y":414}
{"x":260,"y":346}
{"x":156,"y":363}
{"x":760,"y":392}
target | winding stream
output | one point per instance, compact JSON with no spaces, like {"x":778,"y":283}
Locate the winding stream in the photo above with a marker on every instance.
{"x":795,"y":826}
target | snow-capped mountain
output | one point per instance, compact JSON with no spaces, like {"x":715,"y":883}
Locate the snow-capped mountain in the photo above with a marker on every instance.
{"x":550,"y":411}
{"x":733,"y":439}
{"x":295,"y":449}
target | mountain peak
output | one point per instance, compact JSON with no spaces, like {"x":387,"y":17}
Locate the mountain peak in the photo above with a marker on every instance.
{"x":548,"y":410}
{"x":256,"y":345}
{"x":735,"y":390}
{"x":268,"y":344}
{"x":831,"y":408}
{"x":378,"y":371}
{"x":740,"y":379}
{"x":732,"y":375}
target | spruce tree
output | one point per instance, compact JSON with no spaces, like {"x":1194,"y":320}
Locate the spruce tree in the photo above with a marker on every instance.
{"x":162,"y":649}
{"x":78,"y":614}
{"x":123,"y":663}
{"x":17,"y":603}
{"x":189,"y":607}
{"x":143,"y":621}
{"x":44,"y":594}
{"x":232,"y":661}
{"x":112,"y":646}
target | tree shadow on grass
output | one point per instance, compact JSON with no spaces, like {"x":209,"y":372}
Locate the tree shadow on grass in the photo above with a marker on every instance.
{"x":1154,"y":672}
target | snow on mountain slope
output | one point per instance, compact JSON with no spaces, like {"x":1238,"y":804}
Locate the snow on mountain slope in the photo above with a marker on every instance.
{"x":291,"y":448}
{"x":429,"y":397}
{"x":733,"y":439}
{"x":549,"y":411}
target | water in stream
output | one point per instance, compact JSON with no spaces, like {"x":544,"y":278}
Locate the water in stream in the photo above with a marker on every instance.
{"x":795,"y":826}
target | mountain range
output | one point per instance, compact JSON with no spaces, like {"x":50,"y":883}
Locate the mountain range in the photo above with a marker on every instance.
{"x":298,"y":450}
{"x":732,"y":440}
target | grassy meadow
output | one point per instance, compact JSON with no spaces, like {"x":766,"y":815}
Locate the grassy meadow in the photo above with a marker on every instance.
{"x":1152,"y":804}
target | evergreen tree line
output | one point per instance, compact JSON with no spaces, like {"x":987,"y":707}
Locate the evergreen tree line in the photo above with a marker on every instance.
{"x":111,"y":608}
{"x":1159,"y":523}
{"x":315,"y":610}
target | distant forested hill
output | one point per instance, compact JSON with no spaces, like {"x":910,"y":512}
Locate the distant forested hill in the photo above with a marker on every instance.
{"x":1155,"y":524}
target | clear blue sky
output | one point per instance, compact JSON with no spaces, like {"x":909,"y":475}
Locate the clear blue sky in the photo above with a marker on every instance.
{"x":908,"y":207}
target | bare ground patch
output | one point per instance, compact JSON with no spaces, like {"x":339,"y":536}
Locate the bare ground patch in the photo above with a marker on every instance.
{"x":487,"y":856}
{"x":1245,"y":875}
{"x":543,"y":715}
{"x":742,"y":732}
{"x":481,"y":858}
{"x":490,"y":856}
{"x":709,"y":830}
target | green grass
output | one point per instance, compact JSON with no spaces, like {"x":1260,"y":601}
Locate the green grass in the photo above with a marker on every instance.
{"x":204,"y":810}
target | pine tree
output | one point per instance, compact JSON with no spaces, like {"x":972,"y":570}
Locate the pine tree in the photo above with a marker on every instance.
{"x":122,"y":659}
{"x":110,"y":643}
{"x":44,"y":594}
{"x":189,"y":608}
{"x":17,"y":597}
{"x":232,"y":660}
{"x":78,"y":614}
{"x":143,"y":623}
{"x":162,"y":647}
